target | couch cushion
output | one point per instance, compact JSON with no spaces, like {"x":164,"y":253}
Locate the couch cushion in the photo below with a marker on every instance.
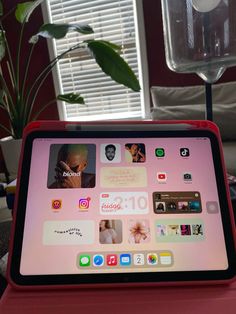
{"x":224,"y":93}
{"x":189,"y":103}
{"x":230,"y":154}
{"x":224,"y":116}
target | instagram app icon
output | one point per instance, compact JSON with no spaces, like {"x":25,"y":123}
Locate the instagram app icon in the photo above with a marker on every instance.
{"x":84,"y":204}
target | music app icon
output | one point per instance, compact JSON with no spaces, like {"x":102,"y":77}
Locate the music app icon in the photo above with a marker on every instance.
{"x":111,"y":259}
{"x":184,"y":152}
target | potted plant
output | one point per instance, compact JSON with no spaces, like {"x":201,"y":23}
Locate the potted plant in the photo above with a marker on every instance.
{"x":17,"y":99}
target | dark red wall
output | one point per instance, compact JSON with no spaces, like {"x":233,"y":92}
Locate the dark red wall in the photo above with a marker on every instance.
{"x":159,"y":73}
{"x":40,"y":59}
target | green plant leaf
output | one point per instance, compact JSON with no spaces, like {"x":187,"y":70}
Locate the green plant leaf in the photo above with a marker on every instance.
{"x":1,"y":9}
{"x":111,"y":45}
{"x":2,"y":45}
{"x":25,"y":9}
{"x":71,"y":98}
{"x":59,"y":31}
{"x":113,"y":64}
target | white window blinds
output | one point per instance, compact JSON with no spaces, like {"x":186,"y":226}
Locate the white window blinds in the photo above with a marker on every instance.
{"x":113,"y":21}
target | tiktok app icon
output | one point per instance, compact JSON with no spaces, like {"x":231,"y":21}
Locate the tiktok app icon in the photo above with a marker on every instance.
{"x":184,"y":152}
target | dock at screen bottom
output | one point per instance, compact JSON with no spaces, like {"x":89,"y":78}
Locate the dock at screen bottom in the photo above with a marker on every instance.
{"x":106,"y":260}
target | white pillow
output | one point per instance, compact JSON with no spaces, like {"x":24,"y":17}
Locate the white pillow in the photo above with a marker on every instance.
{"x":223,"y":115}
{"x":224,"y":93}
{"x":188,"y":103}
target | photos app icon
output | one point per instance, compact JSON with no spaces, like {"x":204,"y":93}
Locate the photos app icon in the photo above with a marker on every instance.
{"x":152,"y":259}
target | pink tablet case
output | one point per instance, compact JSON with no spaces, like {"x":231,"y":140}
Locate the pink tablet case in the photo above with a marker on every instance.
{"x":195,"y":300}
{"x":189,"y":299}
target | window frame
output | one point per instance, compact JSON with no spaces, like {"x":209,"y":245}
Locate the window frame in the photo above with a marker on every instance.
{"x":141,"y":57}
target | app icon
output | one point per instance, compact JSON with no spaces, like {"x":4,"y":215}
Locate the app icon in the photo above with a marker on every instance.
{"x":125,"y":259}
{"x":84,"y":260}
{"x":152,"y":259}
{"x":161,"y":177}
{"x":98,"y":260}
{"x":56,"y":204}
{"x":111,"y":259}
{"x":84,"y":204}
{"x":139,"y":259}
{"x":184,"y":152}
{"x":160,"y":152}
{"x":212,"y":207}
{"x":165,"y":258}
{"x":187,"y":177}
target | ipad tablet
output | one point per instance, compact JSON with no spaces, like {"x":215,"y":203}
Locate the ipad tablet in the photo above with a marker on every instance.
{"x":115,"y":203}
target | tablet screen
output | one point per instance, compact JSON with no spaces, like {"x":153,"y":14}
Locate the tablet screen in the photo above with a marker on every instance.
{"x":123,"y":204}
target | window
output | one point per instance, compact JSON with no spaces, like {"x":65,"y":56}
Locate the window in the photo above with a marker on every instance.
{"x":115,"y":21}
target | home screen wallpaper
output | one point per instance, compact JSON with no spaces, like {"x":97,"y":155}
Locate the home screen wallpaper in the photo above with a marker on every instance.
{"x":122,"y":205}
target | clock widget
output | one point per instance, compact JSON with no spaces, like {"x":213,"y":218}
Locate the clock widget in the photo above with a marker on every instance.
{"x":124,"y":203}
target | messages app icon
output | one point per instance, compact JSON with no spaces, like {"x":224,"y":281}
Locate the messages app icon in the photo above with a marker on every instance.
{"x":84,"y":260}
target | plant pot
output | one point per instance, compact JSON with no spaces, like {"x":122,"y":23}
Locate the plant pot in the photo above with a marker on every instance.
{"x":11,"y":149}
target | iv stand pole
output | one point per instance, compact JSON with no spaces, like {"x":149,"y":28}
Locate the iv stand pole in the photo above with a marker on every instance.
{"x":208,"y":86}
{"x":208,"y":93}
